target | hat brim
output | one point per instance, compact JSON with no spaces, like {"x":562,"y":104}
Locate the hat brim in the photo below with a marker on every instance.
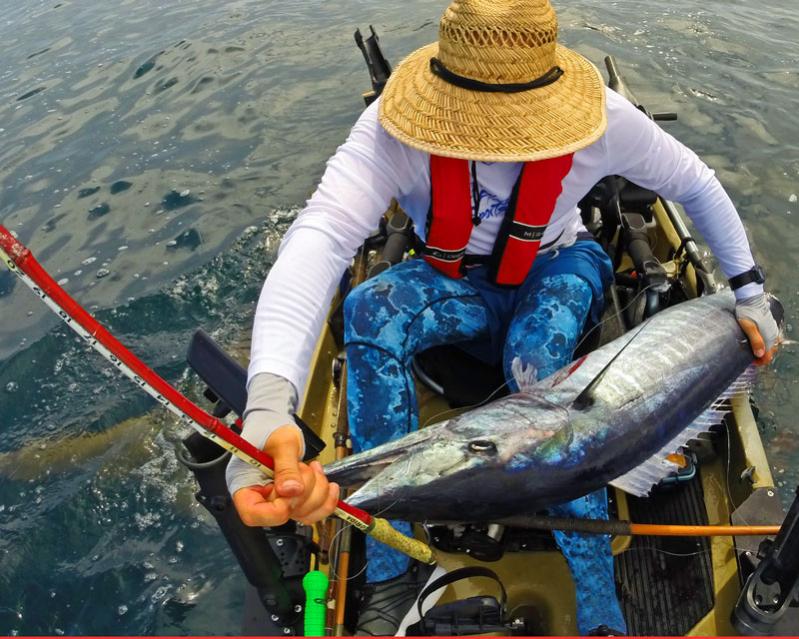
{"x":427,"y":113}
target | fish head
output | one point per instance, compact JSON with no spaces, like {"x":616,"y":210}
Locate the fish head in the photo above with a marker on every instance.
{"x":423,"y":474}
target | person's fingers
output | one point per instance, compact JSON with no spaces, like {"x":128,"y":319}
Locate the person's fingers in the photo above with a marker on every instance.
{"x":284,"y":447}
{"x":767,"y":358}
{"x":316,"y":490}
{"x":752,"y":333}
{"x":326,"y":509}
{"x":255,"y":507}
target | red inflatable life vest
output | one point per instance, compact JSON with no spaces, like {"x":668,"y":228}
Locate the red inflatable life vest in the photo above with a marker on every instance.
{"x":450,"y":222}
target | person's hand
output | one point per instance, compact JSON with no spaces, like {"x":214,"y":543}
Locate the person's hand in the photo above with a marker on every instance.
{"x":299,"y":491}
{"x":759,"y":326}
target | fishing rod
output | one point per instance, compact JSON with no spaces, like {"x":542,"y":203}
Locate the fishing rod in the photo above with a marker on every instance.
{"x":343,"y":549}
{"x":20,"y":261}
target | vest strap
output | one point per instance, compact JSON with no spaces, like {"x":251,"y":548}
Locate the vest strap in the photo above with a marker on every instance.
{"x":449,"y":224}
{"x":451,"y":218}
{"x":531,"y":207}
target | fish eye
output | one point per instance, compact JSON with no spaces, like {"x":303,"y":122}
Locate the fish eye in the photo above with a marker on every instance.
{"x":482,"y":446}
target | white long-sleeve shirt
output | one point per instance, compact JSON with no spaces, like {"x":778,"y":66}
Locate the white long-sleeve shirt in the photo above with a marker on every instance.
{"x":371,"y":167}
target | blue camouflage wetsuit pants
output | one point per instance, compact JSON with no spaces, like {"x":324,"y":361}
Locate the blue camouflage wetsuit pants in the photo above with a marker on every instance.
{"x":412,"y":307}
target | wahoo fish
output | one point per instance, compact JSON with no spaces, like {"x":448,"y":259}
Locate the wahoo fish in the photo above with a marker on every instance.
{"x":612,"y":416}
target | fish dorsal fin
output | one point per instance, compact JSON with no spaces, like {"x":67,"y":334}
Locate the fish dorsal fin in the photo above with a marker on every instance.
{"x":586,"y":397}
{"x":640,"y":480}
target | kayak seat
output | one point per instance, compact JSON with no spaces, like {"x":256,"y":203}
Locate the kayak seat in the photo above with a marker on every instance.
{"x":226,"y":382}
{"x":632,"y":198}
{"x":462,"y":379}
{"x":465,"y":380}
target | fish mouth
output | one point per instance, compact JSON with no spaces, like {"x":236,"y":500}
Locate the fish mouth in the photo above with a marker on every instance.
{"x":363,"y":466}
{"x":407,"y":485}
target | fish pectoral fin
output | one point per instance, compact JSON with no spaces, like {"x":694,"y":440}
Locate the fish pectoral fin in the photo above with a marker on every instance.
{"x":640,"y":480}
{"x":526,"y":377}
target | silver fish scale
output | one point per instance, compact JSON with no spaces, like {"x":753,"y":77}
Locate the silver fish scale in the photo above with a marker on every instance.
{"x":536,"y":448}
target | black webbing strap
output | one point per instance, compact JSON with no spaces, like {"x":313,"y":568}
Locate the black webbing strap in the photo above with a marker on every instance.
{"x":457,"y":575}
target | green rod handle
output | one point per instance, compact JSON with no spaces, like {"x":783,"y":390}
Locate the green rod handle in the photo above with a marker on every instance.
{"x":315,"y":584}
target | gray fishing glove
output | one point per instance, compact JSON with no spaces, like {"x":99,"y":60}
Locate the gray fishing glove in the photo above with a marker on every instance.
{"x":271,"y":401}
{"x":758,"y":310}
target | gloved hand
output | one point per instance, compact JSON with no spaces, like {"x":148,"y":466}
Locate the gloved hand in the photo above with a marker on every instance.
{"x":754,"y":316}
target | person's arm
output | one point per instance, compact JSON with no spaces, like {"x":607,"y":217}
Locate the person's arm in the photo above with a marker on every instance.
{"x":639,"y":150}
{"x":361,"y":178}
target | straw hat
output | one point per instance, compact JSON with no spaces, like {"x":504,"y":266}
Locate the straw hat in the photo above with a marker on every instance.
{"x":495,"y":87}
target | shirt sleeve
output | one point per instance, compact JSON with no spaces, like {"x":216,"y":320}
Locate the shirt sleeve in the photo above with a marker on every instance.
{"x":639,"y":150}
{"x":368,"y":170}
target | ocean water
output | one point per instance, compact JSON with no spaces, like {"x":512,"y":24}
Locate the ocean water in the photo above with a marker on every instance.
{"x":153,"y":153}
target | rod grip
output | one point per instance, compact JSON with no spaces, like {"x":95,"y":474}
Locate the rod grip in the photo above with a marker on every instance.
{"x":385,"y":532}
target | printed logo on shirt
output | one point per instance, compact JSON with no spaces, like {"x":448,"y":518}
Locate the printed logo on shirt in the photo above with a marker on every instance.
{"x":491,"y":205}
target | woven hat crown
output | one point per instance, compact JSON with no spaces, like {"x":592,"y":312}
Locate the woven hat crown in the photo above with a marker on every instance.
{"x":499,"y":41}
{"x":496,"y":87}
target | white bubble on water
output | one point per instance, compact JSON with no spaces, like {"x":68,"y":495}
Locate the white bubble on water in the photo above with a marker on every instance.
{"x":160,"y":593}
{"x":12,"y":387}
{"x":793,"y":198}
{"x":122,"y":610}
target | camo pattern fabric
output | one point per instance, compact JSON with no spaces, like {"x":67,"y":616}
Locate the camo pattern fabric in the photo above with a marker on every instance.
{"x":590,"y":561}
{"x":412,"y":307}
